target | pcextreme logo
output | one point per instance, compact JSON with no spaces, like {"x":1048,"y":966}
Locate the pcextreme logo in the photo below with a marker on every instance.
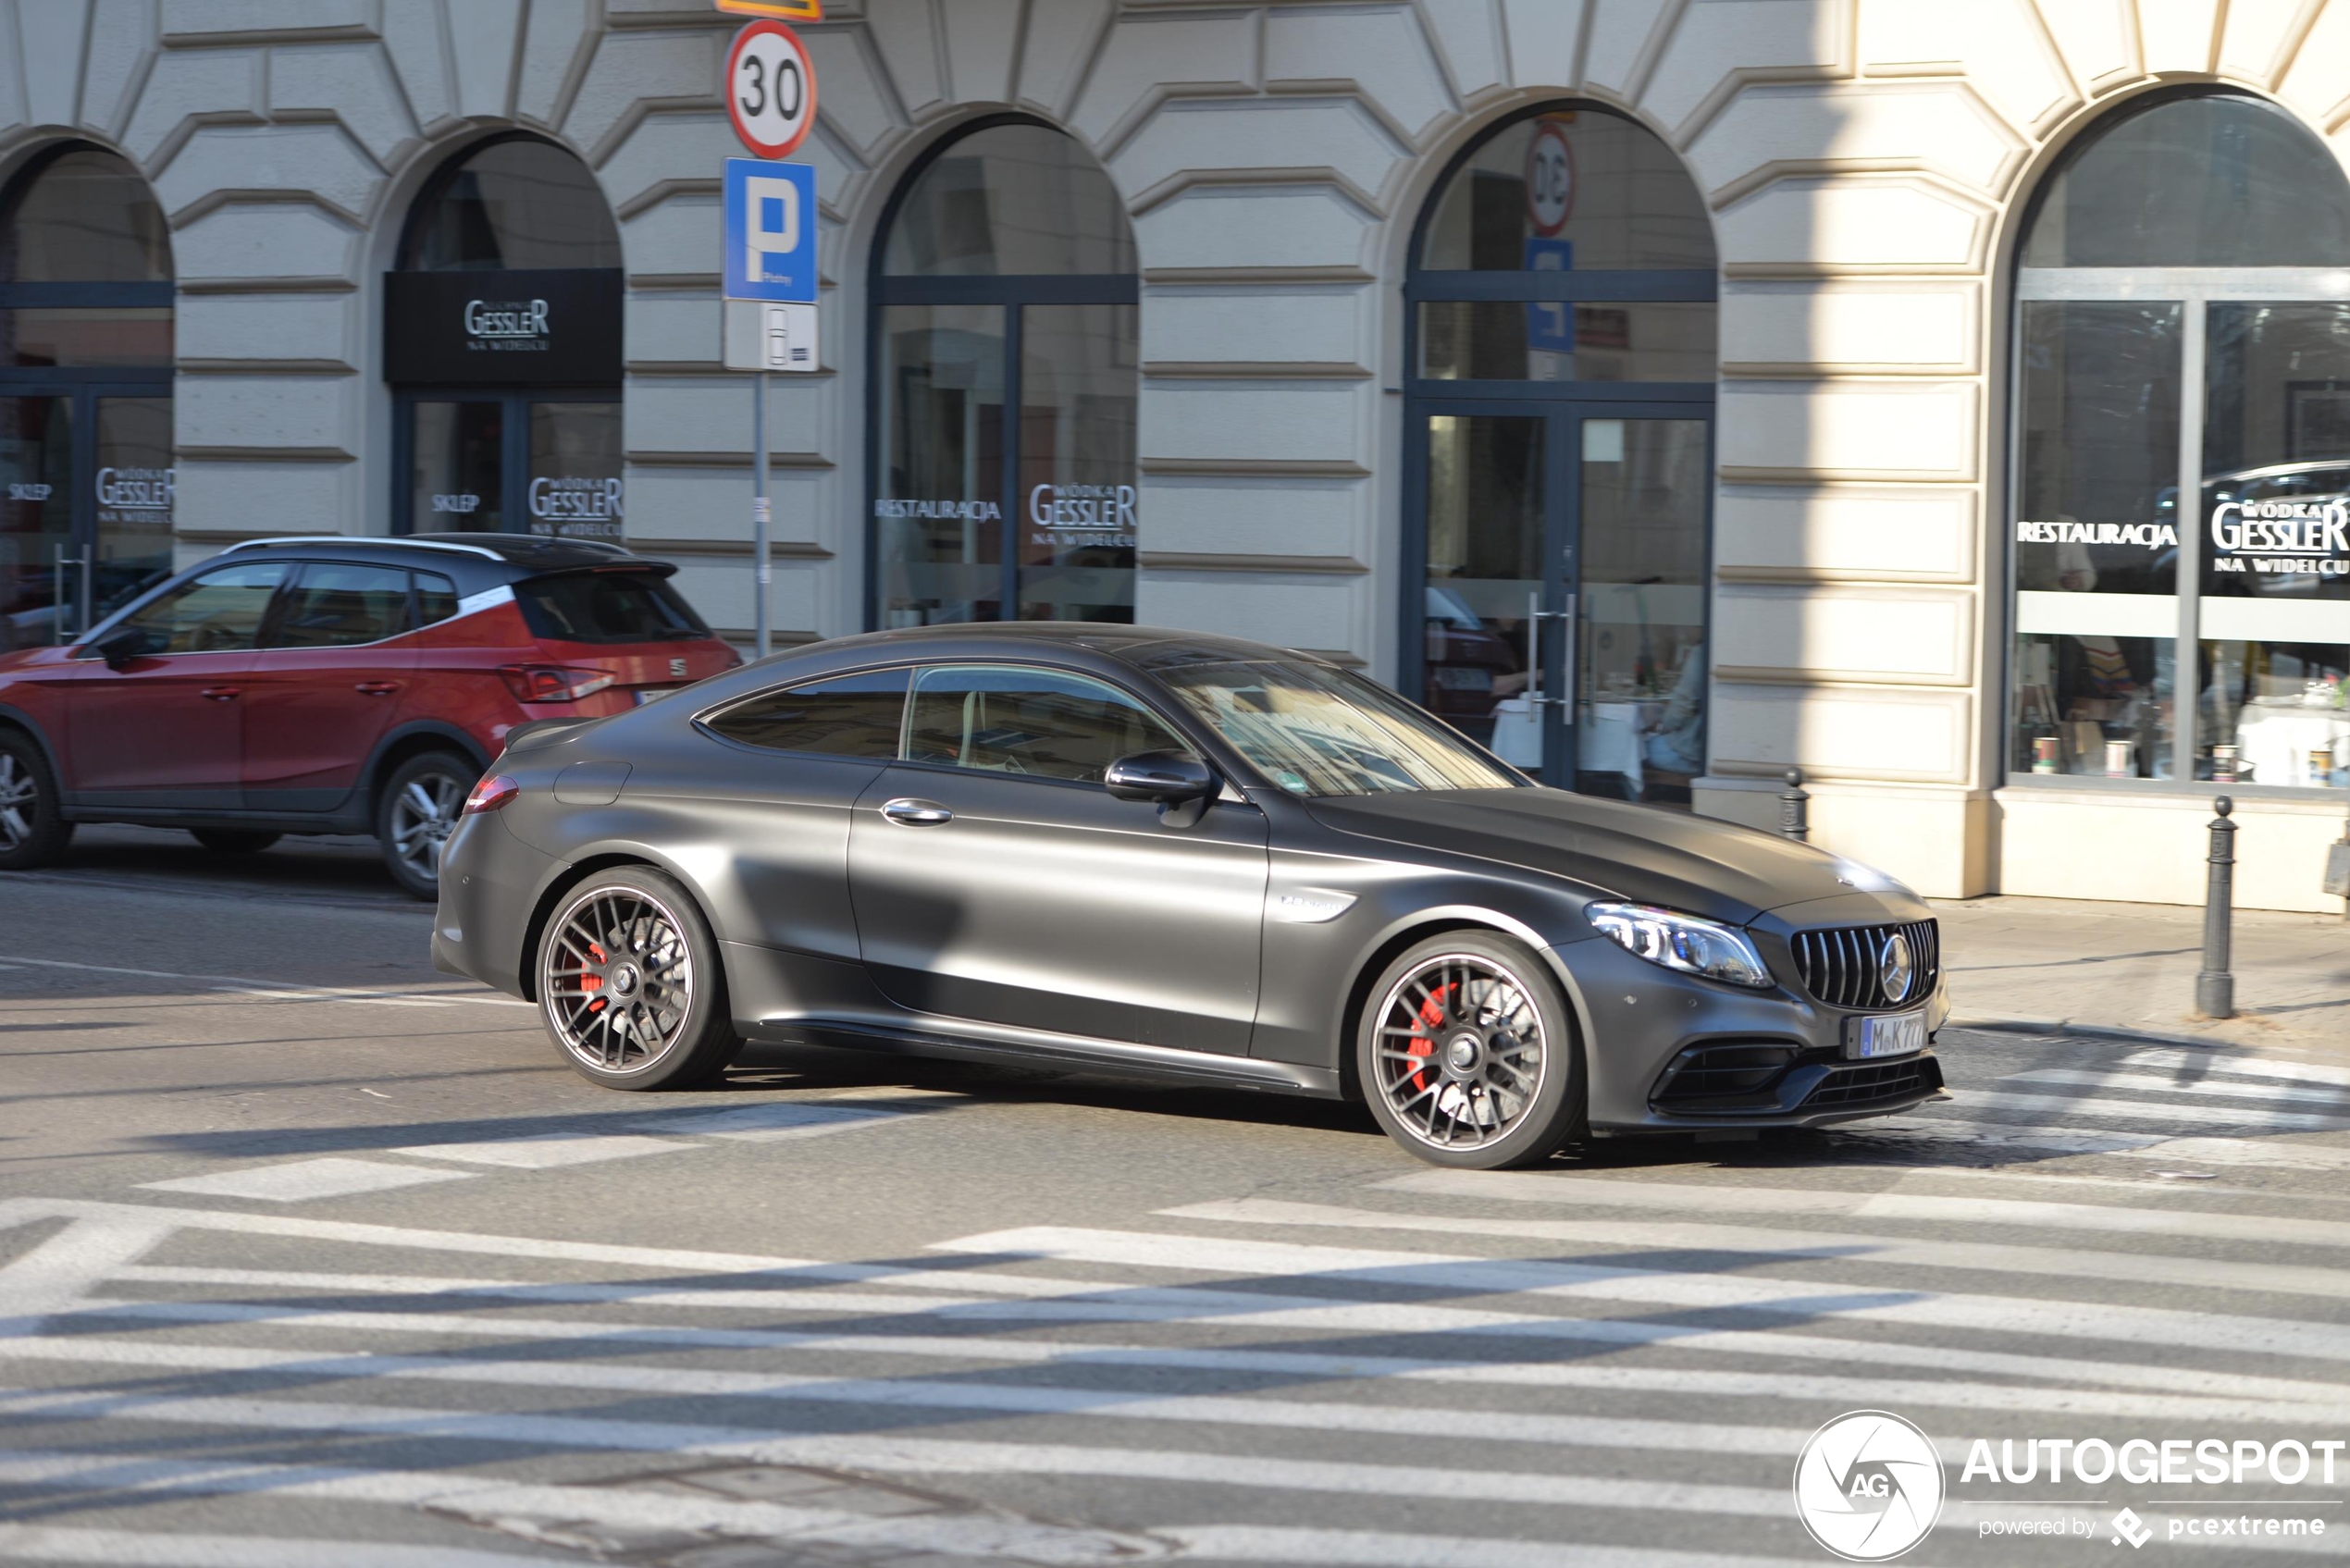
{"x":1868,"y":1486}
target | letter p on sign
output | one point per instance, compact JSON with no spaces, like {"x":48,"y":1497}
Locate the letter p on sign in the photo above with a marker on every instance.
{"x":773,"y":221}
{"x":770,"y":237}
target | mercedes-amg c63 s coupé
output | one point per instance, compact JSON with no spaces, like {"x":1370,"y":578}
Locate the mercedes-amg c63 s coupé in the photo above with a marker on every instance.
{"x":1158,"y":852}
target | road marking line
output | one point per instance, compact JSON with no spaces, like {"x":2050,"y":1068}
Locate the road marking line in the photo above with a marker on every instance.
{"x":1603,"y":1191}
{"x":2240,"y":1067}
{"x":138,"y":1548}
{"x":2004,"y":1134}
{"x":2149,"y":1110}
{"x":1745,"y":1291}
{"x":307,"y":1180}
{"x":1379,"y":1549}
{"x":2151,"y":1083}
{"x":283,"y":989}
{"x":1010,"y":1400}
{"x":783,"y":1119}
{"x":2237,"y":1151}
{"x":488,"y":1499}
{"x":541,"y":1431}
{"x":61,"y":1270}
{"x":1796,"y":1246}
{"x":546,"y":1150}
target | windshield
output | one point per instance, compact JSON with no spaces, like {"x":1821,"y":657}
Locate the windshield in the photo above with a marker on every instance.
{"x":1318,"y":731}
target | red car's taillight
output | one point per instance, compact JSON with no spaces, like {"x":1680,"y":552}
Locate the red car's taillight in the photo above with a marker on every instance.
{"x":552,"y":683}
{"x":491,"y":793}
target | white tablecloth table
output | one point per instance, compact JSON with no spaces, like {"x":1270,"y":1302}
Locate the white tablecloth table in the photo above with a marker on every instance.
{"x":2277,"y":737}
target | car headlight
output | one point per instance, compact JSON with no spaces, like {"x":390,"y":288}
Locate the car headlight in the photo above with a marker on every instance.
{"x":1681,"y":942}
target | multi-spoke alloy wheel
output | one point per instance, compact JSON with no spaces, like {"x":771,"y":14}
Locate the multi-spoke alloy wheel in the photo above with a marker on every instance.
{"x":1466,"y":1057}
{"x":629,"y":984}
{"x":20,"y":799}
{"x":32,"y":828}
{"x":619,"y":980}
{"x":422,"y":802}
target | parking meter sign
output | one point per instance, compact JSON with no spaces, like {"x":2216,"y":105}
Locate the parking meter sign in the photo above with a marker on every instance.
{"x":770,"y":89}
{"x":770,"y":234}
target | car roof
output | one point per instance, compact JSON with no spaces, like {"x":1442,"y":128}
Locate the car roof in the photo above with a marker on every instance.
{"x":1146,"y":648}
{"x":475,"y":561}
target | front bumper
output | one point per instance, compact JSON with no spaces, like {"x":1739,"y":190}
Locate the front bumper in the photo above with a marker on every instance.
{"x":1670,"y":1053}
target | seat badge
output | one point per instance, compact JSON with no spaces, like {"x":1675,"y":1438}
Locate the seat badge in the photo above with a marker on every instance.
{"x":1309,"y":905}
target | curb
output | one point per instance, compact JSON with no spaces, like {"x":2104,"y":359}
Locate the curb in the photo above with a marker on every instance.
{"x":2084,"y":1031}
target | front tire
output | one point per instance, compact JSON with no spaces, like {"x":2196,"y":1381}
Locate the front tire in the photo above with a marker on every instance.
{"x":1467,"y":1055}
{"x":415,"y":814}
{"x":629,"y":984}
{"x":233,"y":841}
{"x":34,"y":830}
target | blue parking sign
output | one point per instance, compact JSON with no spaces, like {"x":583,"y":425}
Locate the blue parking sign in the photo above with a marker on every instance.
{"x":1549,"y":324}
{"x":771,"y":231}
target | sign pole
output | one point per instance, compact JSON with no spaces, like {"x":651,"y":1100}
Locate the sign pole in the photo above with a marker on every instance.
{"x":760,"y":509}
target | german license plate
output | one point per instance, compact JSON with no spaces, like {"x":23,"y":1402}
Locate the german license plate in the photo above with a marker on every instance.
{"x":653,"y":694}
{"x":1887,"y":1034}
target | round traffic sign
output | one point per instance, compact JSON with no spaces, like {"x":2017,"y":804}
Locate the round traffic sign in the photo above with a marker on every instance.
{"x":770,"y":89}
{"x":1549,"y":177}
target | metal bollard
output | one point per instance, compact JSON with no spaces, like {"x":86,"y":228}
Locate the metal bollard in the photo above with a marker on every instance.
{"x":2215,"y":988}
{"x":1795,"y":819}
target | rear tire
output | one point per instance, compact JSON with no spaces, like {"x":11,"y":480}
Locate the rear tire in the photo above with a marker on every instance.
{"x":630,"y":987}
{"x":233,"y":841}
{"x":34,"y":830}
{"x":415,"y":814}
{"x":1467,"y":1054}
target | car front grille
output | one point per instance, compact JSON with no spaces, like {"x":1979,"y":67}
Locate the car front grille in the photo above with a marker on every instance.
{"x":1840,"y":968}
{"x":1867,"y":1082}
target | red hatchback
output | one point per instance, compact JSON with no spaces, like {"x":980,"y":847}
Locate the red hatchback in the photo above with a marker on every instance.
{"x":331,"y":685}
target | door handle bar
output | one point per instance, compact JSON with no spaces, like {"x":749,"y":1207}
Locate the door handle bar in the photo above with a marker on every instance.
{"x":221,"y":694}
{"x":376,"y":688}
{"x":913,"y":813}
{"x":1535,"y":616}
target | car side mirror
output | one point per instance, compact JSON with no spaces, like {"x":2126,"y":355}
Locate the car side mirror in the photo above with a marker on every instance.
{"x":121,"y":646}
{"x":1180,"y":782}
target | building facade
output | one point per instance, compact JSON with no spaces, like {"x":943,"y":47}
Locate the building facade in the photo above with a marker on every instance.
{"x":1668,"y":391}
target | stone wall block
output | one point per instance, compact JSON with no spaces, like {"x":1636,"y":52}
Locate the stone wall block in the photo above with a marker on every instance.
{"x":1922,"y":635}
{"x":906,"y":33}
{"x":1723,"y":43}
{"x":414,"y":38}
{"x":1469,"y":44}
{"x":1146,"y":57}
{"x":2257,"y":32}
{"x":2316,"y":83}
{"x":852,"y":101}
{"x":1213,"y":326}
{"x":1930,"y":126}
{"x":1997,"y":46}
{"x":268,"y":411}
{"x":272,"y":498}
{"x":1923,"y":736}
{"x":1848,"y":532}
{"x":299,"y":161}
{"x":669,"y":328}
{"x":694,"y":414}
{"x":1900,"y":430}
{"x":1864,"y":223}
{"x":1242,"y":517}
{"x":354,"y":83}
{"x":1779,"y":328}
{"x":1192,"y":135}
{"x":215,"y":20}
{"x":273,"y":326}
{"x":664,"y":148}
{"x":1311,"y":612}
{"x":1383,"y":53}
{"x":981,"y":36}
{"x":216,"y":84}
{"x":2179,"y":35}
{"x":1055,"y":50}
{"x":122,"y":32}
{"x":49,"y":38}
{"x":679,"y":237}
{"x":556,"y":41}
{"x":633,"y":72}
{"x":1255,"y":226}
{"x":1544,"y":36}
{"x":265,"y":239}
{"x":1623,"y":37}
{"x":483,"y":37}
{"x":1255,"y":421}
{"x":2095,"y":38}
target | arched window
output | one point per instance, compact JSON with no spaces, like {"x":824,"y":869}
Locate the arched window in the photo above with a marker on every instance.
{"x":2182,"y":325}
{"x":1005,"y":342}
{"x":85,"y":392}
{"x":501,"y":335}
{"x":1560,"y":412}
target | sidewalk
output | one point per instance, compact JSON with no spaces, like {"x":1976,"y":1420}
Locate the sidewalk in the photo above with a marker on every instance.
{"x":2058,"y":964}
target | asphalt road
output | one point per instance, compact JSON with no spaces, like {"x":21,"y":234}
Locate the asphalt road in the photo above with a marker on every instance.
{"x":309,"y":1255}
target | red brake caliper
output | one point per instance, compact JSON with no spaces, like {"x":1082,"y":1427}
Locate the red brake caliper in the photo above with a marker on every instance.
{"x":593,"y":981}
{"x":1431,"y":1016}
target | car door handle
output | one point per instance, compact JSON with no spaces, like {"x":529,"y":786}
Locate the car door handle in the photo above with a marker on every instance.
{"x":221,"y":694}
{"x":376,"y":688}
{"x":915,"y":813}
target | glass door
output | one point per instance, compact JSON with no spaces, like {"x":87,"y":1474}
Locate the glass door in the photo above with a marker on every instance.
{"x":36,"y":519}
{"x":1561,"y":614}
{"x":510,"y":462}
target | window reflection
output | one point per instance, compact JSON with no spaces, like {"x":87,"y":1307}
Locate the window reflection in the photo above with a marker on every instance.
{"x":1078,"y":500}
{"x":1615,"y":198}
{"x":1010,"y":199}
{"x":516,"y":203}
{"x":939,"y":515}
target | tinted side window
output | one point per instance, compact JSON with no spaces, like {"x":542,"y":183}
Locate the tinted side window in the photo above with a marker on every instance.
{"x":333,"y":605}
{"x":218,"y":612}
{"x":435,"y":597}
{"x":1044,"y":722}
{"x":607,"y":607}
{"x":848,"y":716}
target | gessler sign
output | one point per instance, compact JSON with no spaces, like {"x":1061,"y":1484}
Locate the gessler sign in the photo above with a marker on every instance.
{"x":538,"y":328}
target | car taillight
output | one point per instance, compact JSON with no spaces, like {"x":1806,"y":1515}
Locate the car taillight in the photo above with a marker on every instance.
{"x":552,"y":683}
{"x":491,"y":793}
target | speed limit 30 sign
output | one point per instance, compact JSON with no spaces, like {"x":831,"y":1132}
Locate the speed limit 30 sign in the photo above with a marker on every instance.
{"x":770,"y":89}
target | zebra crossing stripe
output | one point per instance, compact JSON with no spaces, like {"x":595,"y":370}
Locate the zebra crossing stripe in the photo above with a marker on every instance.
{"x":140,"y":1549}
{"x":2240,"y":1067}
{"x":2149,"y":1083}
{"x":2148,"y":1110}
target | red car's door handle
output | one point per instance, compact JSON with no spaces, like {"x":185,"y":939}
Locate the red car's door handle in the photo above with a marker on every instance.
{"x":376,"y":688}
{"x":221,"y":694}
